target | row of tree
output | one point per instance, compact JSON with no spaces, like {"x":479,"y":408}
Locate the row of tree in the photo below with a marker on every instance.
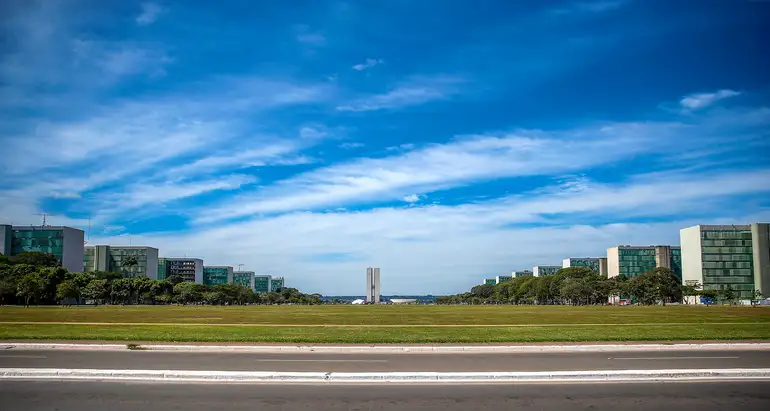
{"x":583,"y":286}
{"x":38,"y":278}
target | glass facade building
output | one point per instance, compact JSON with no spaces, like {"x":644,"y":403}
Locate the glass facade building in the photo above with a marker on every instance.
{"x":718,"y":257}
{"x":216,"y":275}
{"x":130,"y":261}
{"x":276,"y":284}
{"x":632,"y":261}
{"x":262,"y":283}
{"x":502,"y":278}
{"x":64,"y":243}
{"x":244,"y":278}
{"x":523,"y":273}
{"x":541,"y":270}
{"x":593,"y":263}
{"x":189,"y":269}
{"x":490,"y":281}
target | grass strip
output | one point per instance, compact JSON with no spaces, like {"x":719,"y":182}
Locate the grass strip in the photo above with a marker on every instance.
{"x":387,"y":315}
{"x":365,"y":335}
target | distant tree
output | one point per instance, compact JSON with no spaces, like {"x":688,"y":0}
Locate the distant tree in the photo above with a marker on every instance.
{"x":29,"y":287}
{"x":175,"y":279}
{"x":108,"y":276}
{"x":97,"y":290}
{"x":483,"y":291}
{"x":122,"y":291}
{"x":187,"y":293}
{"x":68,"y":289}
{"x":36,"y":258}
{"x":128,"y":263}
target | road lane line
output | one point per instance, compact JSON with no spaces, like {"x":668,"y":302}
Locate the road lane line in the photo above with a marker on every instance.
{"x":672,"y":358}
{"x":39,"y":357}
{"x":349,"y":361}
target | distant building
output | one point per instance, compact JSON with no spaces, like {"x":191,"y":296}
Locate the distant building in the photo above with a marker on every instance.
{"x":244,"y":278}
{"x":277,"y":284}
{"x":490,"y":281}
{"x":502,"y":278}
{"x":373,"y":285}
{"x":262,"y":283}
{"x":542,"y":270}
{"x":189,"y":269}
{"x":522,"y":273}
{"x":217,"y":274}
{"x":121,"y":259}
{"x":64,"y":243}
{"x":632,"y":261}
{"x":718,"y":256}
{"x":597,"y":264}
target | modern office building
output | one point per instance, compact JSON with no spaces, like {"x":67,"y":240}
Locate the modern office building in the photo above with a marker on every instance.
{"x":502,"y":278}
{"x":541,"y":270}
{"x":217,"y":274}
{"x":636,"y":260}
{"x":373,"y":285}
{"x":244,"y":278}
{"x":597,"y":264}
{"x":522,"y":273}
{"x":65,"y":243}
{"x":490,"y":281}
{"x":262,"y":283}
{"x":277,"y":284}
{"x":131,"y":261}
{"x":190,"y":269}
{"x":718,"y":256}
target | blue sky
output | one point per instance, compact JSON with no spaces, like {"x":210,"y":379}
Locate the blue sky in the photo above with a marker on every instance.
{"x":442,"y":141}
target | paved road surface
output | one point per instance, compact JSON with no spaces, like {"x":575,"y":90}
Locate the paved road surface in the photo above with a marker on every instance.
{"x":115,"y":396}
{"x":164,"y":360}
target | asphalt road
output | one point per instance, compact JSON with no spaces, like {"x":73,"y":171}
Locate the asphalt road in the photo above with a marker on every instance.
{"x":113,"y":396}
{"x":448,"y":362}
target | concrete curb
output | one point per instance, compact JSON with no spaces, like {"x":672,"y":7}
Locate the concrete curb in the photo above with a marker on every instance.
{"x":396,"y":377}
{"x":388,"y":349}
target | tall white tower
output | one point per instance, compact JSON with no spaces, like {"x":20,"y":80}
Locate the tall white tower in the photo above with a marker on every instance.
{"x":373,"y":285}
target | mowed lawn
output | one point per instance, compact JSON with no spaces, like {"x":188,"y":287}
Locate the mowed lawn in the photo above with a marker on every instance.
{"x":385,"y":324}
{"x":388,"y":315}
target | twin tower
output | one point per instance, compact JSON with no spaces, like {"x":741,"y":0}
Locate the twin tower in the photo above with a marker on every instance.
{"x":372,"y":285}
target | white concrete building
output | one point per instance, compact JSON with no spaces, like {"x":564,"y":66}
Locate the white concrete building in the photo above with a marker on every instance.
{"x":373,"y":285}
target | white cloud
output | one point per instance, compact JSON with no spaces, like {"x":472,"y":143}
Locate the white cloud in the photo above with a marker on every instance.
{"x":442,"y":166}
{"x":369,"y":63}
{"x":413,"y":198}
{"x":149,"y":14}
{"x":415,"y":92}
{"x":137,"y":195}
{"x":702,"y":100}
{"x":462,"y":244}
{"x":401,"y":147}
{"x":350,"y":145}
{"x":304,"y":34}
{"x":591,"y":7}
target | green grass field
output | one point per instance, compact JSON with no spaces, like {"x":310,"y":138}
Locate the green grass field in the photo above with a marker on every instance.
{"x":386,"y":324}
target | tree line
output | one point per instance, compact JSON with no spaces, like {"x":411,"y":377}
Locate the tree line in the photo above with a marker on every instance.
{"x":38,"y":278}
{"x":583,"y":286}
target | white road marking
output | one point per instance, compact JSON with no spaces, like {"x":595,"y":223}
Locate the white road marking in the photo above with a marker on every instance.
{"x":350,"y":361}
{"x":40,"y":357}
{"x":672,"y":358}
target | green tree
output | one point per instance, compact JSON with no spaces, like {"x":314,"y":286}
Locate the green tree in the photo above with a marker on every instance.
{"x":128,"y":263}
{"x":68,"y":289}
{"x":175,"y":279}
{"x":97,"y":290}
{"x":122,"y":290}
{"x":36,"y":258}
{"x":187,"y":293}
{"x":30,"y":287}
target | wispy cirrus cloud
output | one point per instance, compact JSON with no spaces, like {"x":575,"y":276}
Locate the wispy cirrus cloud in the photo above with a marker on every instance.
{"x":149,"y":14}
{"x":417,"y":91}
{"x":304,"y":34}
{"x":469,"y":159}
{"x":592,"y":7}
{"x":369,"y":63}
{"x":702,"y":100}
